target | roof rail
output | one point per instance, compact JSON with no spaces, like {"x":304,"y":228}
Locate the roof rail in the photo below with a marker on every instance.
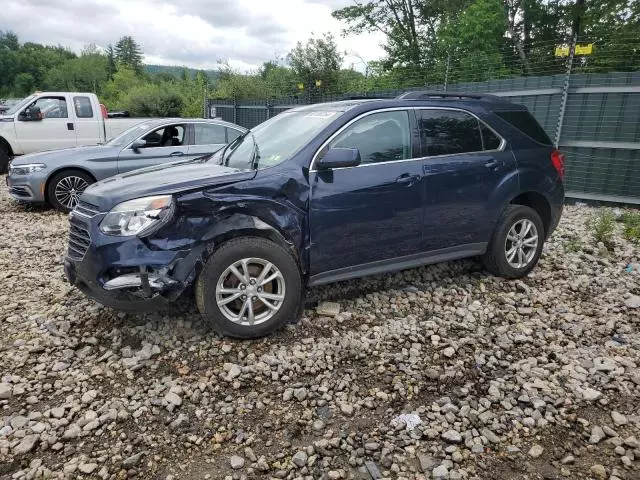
{"x":427,"y":94}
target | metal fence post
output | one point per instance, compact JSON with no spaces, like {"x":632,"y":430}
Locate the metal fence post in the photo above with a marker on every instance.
{"x":565,"y":91}
{"x":235,"y":110}
{"x":268,"y":109}
{"x":446,"y":73}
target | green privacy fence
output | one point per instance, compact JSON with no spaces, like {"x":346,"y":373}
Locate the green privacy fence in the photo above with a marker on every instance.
{"x":598,"y":128}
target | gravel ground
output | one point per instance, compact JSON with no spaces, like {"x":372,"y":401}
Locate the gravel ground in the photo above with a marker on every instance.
{"x":497,"y":379}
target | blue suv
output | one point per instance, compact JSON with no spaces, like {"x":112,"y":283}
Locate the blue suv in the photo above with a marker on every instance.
{"x":319,"y":194}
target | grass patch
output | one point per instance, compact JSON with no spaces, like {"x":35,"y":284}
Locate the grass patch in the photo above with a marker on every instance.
{"x":602,"y":224}
{"x":573,"y":244}
{"x":631,"y":221}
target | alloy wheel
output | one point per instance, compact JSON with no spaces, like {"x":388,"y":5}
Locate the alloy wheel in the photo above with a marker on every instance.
{"x":250,"y":291}
{"x":69,"y":189}
{"x":521,"y":243}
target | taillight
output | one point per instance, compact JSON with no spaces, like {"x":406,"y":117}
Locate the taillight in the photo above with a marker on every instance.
{"x":103,"y":110}
{"x":557,"y":159}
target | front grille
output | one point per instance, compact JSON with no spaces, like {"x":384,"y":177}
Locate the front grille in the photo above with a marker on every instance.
{"x":79,"y":241}
{"x":87,"y":209}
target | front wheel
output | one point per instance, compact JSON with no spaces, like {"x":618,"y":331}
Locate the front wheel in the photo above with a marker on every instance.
{"x":65,"y":188}
{"x":249,"y":288}
{"x":516,"y":244}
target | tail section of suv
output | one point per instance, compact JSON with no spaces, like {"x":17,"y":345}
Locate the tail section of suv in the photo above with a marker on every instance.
{"x":319,"y":194}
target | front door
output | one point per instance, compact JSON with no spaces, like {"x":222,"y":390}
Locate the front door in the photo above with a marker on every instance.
{"x":465,"y":162}
{"x":162,"y":145}
{"x":372,"y":212}
{"x":49,"y":127}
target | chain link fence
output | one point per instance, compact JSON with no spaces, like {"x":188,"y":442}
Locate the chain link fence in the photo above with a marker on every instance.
{"x":592,"y":117}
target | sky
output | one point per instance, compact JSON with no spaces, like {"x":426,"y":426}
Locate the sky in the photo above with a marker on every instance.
{"x":194,"y":33}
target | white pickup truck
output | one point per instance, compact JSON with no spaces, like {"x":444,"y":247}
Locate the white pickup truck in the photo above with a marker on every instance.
{"x":54,"y":120}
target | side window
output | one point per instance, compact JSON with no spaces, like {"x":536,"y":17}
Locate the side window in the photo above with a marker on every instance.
{"x":51,"y":107}
{"x":490,"y":139}
{"x":444,"y":132}
{"x":169,"y":136}
{"x":380,"y":137}
{"x":208,"y":134}
{"x":83,"y":107}
{"x":232,"y":134}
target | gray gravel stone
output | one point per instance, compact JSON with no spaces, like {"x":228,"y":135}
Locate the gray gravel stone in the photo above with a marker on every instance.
{"x":87,"y":468}
{"x":535,"y":451}
{"x":236,"y":462}
{"x":597,"y":435}
{"x":27,"y":444}
{"x":5,"y":391}
{"x":452,"y":436}
{"x":300,"y":459}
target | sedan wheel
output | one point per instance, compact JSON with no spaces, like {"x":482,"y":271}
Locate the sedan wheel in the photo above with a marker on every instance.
{"x":68,"y":191}
{"x":65,"y":188}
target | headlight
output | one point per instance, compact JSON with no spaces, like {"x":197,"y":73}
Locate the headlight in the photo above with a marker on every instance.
{"x":26,"y":169}
{"x":141,"y":216}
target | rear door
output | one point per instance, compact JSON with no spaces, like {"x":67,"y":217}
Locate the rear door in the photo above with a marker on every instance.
{"x":50,"y":129}
{"x":465,"y":162}
{"x":209,"y":138}
{"x":86,"y":124}
{"x":160,"y":147}
{"x":371,"y":213}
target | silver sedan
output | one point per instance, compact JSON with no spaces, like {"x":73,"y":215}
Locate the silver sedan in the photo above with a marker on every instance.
{"x":59,"y":177}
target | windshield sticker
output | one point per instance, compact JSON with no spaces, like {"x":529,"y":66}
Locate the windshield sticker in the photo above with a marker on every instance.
{"x":319,"y":114}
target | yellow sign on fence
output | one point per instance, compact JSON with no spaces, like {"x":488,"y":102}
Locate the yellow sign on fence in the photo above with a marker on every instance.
{"x":563,"y":50}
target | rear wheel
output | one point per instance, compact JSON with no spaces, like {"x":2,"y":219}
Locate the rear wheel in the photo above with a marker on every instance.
{"x":516,"y":244}
{"x":65,"y":188}
{"x":4,"y":157}
{"x":249,"y":288}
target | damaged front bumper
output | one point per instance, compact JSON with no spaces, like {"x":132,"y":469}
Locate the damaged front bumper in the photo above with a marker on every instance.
{"x":126,"y":273}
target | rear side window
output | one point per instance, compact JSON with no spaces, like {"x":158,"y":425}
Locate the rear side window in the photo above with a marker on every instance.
{"x":444,"y":132}
{"x":490,"y":139}
{"x":232,"y":134}
{"x":83,"y":107}
{"x":209,"y":134}
{"x":527,"y":124}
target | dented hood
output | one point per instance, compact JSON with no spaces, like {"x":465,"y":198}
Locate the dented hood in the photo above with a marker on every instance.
{"x":168,"y":178}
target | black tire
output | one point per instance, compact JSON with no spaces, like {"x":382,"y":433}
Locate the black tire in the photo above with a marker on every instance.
{"x":495,"y":259}
{"x":4,"y":158}
{"x":60,"y":177}
{"x":233,"y":251}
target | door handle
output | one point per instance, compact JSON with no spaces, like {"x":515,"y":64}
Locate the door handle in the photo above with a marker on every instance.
{"x":407,"y":179}
{"x":492,"y":163}
{"x":69,"y":126}
{"x":176,"y":154}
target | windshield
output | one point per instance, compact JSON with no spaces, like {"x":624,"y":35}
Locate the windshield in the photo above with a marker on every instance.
{"x":129,"y":135}
{"x":277,"y":139}
{"x":19,"y":105}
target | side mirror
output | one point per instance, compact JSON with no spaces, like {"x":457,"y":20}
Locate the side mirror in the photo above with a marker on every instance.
{"x":30,"y":114}
{"x":339,"y":158}
{"x":137,"y":145}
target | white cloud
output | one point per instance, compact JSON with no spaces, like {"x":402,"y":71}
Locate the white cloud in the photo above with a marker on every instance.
{"x":196,"y":33}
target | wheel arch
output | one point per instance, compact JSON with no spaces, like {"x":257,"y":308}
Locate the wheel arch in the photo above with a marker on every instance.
{"x":4,"y":141}
{"x":64,"y":169}
{"x":539,"y":203}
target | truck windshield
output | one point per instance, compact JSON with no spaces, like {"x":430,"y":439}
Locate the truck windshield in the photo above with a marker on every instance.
{"x":277,"y":139}
{"x":20,"y":104}
{"x":129,"y":135}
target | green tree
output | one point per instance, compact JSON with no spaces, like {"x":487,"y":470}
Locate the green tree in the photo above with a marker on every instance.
{"x":111,"y":61}
{"x":151,"y":100}
{"x":24,"y":84}
{"x":129,"y":53}
{"x":317,"y":60}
